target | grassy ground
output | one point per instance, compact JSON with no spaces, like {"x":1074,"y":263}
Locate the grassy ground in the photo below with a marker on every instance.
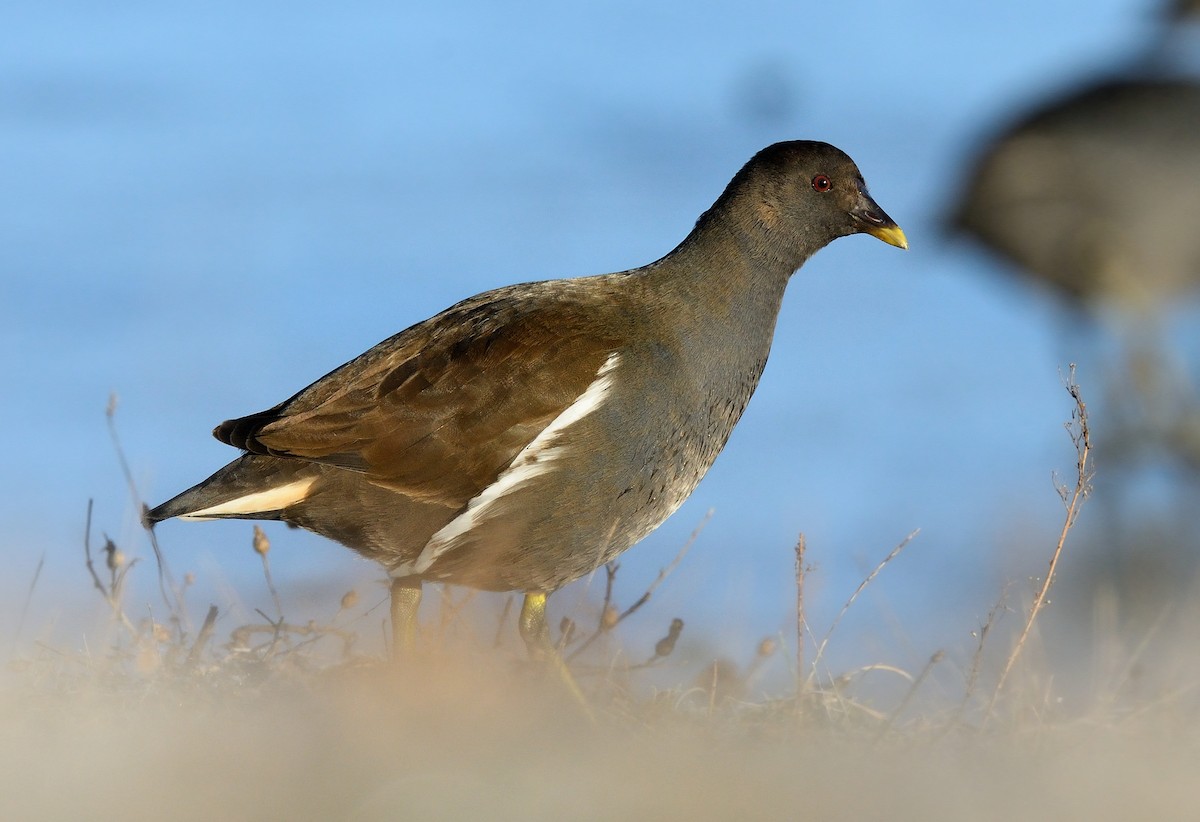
{"x":191,"y":717}
{"x":482,"y":737}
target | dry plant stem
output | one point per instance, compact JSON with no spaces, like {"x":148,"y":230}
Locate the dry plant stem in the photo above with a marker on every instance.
{"x":37,"y":573}
{"x":857,"y":673}
{"x":610,"y":579}
{"x":663,"y":648}
{"x":1073,"y":499}
{"x":604,"y":627}
{"x":87,"y":552}
{"x":202,"y":638}
{"x":449,"y":610}
{"x":712,"y":692}
{"x":754,"y":670}
{"x":240,"y":638}
{"x":1126,"y":674}
{"x":812,"y":673}
{"x":1173,"y":698}
{"x":164,"y":573}
{"x":937,"y":657}
{"x":500,"y":623}
{"x":117,"y":575}
{"x":800,"y":621}
{"x":665,"y":572}
{"x":113,"y":602}
{"x":277,"y":627}
{"x":266,"y":562}
{"x":993,"y":617}
{"x":603,"y":623}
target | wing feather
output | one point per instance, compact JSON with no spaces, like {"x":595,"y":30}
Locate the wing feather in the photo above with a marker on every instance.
{"x":439,"y":410}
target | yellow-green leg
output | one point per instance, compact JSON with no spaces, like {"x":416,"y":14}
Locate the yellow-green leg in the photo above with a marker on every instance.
{"x":406,"y":600}
{"x":533,"y":626}
{"x":536,"y":634}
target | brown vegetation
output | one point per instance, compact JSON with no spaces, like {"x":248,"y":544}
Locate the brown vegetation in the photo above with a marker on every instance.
{"x":286,"y":718}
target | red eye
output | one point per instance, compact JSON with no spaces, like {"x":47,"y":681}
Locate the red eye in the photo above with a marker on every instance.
{"x":822,"y":183}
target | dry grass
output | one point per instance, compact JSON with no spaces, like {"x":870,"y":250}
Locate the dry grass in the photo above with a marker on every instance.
{"x":1072,"y":498}
{"x":303,"y":719}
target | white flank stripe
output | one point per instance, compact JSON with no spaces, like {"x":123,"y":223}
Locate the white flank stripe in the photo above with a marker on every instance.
{"x":535,"y":459}
{"x":273,"y":499}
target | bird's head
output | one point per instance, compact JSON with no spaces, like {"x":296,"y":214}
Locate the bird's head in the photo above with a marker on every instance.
{"x":796,"y":197}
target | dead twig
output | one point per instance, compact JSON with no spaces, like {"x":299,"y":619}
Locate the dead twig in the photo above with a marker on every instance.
{"x":861,"y":587}
{"x":981,"y":636}
{"x":240,"y":637}
{"x":666,"y":572}
{"x":1072,"y":499}
{"x":37,"y":573}
{"x":664,"y":647}
{"x":87,"y":552}
{"x":276,"y":628}
{"x":800,"y":621}
{"x":937,"y":657}
{"x":202,"y":638}
{"x":262,"y":547}
{"x":109,"y":594}
{"x":508,"y":603}
{"x":607,"y":623}
{"x":164,"y":573}
{"x":766,"y":649}
{"x":449,"y":609}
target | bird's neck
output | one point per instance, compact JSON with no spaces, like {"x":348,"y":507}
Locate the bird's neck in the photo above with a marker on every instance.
{"x":726,"y":270}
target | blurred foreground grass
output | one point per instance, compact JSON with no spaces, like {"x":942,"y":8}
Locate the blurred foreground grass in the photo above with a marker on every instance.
{"x":478,"y":736}
{"x":185,"y":718}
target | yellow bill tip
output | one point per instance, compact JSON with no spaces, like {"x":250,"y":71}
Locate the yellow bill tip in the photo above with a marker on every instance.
{"x":890,"y":234}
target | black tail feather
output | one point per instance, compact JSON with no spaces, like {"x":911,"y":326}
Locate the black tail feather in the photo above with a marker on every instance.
{"x":247,"y":474}
{"x":243,"y":431}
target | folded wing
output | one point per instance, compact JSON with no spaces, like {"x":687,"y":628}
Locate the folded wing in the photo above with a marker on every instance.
{"x":439,"y":410}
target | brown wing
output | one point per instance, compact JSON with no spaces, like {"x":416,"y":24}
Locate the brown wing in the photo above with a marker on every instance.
{"x":437,"y":411}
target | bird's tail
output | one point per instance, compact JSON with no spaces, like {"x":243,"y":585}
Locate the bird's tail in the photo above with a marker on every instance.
{"x":250,"y":487}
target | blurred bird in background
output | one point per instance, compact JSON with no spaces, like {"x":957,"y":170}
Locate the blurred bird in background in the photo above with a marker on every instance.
{"x":1095,"y":195}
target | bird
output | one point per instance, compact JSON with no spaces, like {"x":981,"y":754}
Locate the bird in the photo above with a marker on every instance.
{"x":1088,"y":190}
{"x":1091,"y":193}
{"x":527,"y":435}
{"x":1087,"y":194}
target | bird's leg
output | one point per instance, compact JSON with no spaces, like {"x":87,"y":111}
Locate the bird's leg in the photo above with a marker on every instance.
{"x":536,"y":634}
{"x":406,"y":600}
{"x":533,"y":626}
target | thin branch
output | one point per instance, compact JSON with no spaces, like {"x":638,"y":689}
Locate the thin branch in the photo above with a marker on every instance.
{"x":277,"y":629}
{"x":608,"y":614}
{"x":662,"y":649}
{"x":1073,"y":500}
{"x":202,"y":638}
{"x":1125,"y":676}
{"x":607,"y":625}
{"x":666,"y":572}
{"x":449,"y":609}
{"x":240,"y":638}
{"x":164,"y":573}
{"x":937,"y":657}
{"x":850,"y":676}
{"x":114,"y":603}
{"x":87,"y":552}
{"x":610,"y":579}
{"x":262,"y":547}
{"x":37,"y":573}
{"x":508,"y":603}
{"x":861,"y":586}
{"x":765,"y":651}
{"x":800,"y":621}
{"x":985,"y":630}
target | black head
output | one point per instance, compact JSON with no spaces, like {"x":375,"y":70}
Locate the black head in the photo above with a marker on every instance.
{"x":798,"y":196}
